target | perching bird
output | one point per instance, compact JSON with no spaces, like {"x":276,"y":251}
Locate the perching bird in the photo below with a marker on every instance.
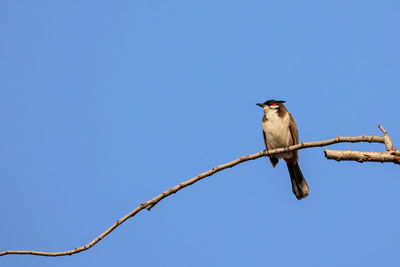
{"x":280,"y":130}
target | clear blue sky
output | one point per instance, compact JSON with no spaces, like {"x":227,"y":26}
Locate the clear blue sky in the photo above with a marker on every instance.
{"x":105,"y":104}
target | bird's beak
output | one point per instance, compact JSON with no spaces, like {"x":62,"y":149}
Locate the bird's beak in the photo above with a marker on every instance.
{"x":260,"y":105}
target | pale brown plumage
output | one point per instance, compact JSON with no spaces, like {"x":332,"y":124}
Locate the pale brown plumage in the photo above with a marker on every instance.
{"x":281,"y":131}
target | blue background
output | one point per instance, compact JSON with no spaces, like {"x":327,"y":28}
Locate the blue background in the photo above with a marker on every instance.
{"x":105,"y":104}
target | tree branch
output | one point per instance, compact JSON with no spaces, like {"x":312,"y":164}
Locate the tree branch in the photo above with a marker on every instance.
{"x":389,"y":156}
{"x":388,"y":141}
{"x":361,"y":156}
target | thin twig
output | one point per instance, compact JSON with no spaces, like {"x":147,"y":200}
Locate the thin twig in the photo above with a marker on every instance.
{"x":151,"y":203}
{"x":387,"y":140}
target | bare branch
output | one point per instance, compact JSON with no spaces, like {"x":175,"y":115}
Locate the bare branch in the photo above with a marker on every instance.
{"x":383,"y":130}
{"x":361,"y":156}
{"x":387,"y":140}
{"x":152,"y":202}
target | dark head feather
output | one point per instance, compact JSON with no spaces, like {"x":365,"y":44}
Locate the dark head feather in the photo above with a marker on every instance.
{"x":272,"y":101}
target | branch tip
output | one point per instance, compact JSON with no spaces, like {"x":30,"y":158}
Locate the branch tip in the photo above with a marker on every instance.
{"x":383,"y":130}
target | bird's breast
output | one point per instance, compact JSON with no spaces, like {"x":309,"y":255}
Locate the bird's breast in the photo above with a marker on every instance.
{"x":277,"y":131}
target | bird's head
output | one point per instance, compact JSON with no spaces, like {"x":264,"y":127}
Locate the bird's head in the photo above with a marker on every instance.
{"x":270,"y":105}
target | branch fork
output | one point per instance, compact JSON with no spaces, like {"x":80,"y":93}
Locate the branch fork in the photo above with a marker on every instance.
{"x":390,"y":155}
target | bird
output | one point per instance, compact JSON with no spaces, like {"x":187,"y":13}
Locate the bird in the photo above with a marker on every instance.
{"x":280,"y":130}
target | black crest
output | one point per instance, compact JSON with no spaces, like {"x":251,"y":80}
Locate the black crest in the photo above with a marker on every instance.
{"x":272,"y":101}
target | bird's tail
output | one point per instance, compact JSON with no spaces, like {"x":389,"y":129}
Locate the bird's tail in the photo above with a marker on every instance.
{"x":299,"y":184}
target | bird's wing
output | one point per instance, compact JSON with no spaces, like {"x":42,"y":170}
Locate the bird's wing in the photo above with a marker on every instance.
{"x":273,"y":160}
{"x":293,"y":132}
{"x":265,"y":140}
